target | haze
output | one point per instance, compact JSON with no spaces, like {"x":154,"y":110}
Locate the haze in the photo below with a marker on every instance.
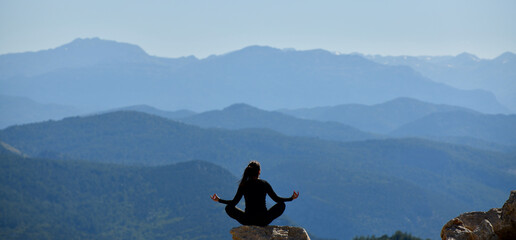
{"x":202,"y":28}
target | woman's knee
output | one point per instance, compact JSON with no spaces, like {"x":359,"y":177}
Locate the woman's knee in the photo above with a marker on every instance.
{"x":230,"y":209}
{"x":275,"y":212}
{"x":281,"y":205}
{"x":236,"y":213}
{"x":278,"y":208}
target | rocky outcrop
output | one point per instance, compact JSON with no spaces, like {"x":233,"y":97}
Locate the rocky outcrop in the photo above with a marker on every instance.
{"x":269,"y":233}
{"x":495,"y":224}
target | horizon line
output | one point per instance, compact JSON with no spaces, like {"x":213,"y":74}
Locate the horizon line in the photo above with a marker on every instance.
{"x":265,"y":46}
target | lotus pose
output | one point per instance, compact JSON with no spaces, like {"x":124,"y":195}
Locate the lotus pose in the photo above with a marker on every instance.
{"x":254,"y":191}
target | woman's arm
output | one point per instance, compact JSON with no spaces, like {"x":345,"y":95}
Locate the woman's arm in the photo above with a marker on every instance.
{"x":233,"y":202}
{"x":276,"y":198}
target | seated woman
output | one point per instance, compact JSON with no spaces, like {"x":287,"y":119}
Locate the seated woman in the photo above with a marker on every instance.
{"x":254,"y":191}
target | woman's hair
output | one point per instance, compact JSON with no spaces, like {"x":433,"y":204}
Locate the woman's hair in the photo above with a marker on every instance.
{"x":251,"y":171}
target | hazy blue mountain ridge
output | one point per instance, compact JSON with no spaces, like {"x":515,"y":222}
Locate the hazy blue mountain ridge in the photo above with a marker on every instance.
{"x":20,"y":110}
{"x":405,"y":174}
{"x":179,"y":114}
{"x":455,"y":125}
{"x":465,"y":71}
{"x":379,"y":118}
{"x":76,"y":54}
{"x":261,"y":76}
{"x":241,"y":116}
{"x":405,"y":117}
{"x":497,"y":128}
{"x":316,"y":78}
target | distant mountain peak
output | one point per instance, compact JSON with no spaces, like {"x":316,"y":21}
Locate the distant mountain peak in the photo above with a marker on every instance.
{"x":240,"y":107}
{"x":402,"y":101}
{"x":101,"y":46}
{"x":257,"y":48}
{"x":253,"y":50}
{"x":95,"y":41}
{"x":267,"y":50}
{"x":84,"y":40}
{"x":405,"y":102}
{"x":138,"y":108}
{"x":506,"y":56}
{"x":468,"y":56}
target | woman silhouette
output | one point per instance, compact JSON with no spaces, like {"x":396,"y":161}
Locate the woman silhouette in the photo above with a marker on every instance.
{"x":254,"y":191}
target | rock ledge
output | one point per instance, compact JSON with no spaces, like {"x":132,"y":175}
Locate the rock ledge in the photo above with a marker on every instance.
{"x":269,"y":233}
{"x":495,"y":224}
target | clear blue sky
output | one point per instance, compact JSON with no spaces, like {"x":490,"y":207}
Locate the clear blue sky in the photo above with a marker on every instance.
{"x":201,"y":28}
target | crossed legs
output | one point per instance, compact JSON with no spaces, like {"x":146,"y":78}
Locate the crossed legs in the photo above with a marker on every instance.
{"x":258,"y":220}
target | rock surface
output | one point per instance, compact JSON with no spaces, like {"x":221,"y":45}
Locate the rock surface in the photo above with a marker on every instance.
{"x":495,"y":224}
{"x":269,"y":233}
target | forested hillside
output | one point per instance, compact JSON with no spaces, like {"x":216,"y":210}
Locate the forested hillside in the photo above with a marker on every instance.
{"x":48,"y":199}
{"x":398,"y":235}
{"x":347,"y":189}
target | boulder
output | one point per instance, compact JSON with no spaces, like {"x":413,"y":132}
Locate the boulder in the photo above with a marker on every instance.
{"x":495,"y":224}
{"x":507,"y":226}
{"x":269,"y":233}
{"x":485,"y":231}
{"x":455,"y":230}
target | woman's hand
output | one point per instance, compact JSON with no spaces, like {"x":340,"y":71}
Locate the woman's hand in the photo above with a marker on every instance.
{"x":295,"y":195}
{"x":215,"y":198}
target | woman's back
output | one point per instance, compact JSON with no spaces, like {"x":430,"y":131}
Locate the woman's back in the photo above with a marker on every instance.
{"x":255,"y":192}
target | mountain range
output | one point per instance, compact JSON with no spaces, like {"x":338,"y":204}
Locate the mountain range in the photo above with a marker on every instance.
{"x":399,"y":117}
{"x":379,"y":118}
{"x":374,"y":144}
{"x":78,"y":54}
{"x":402,"y":117}
{"x":106,"y":74}
{"x":465,"y":71}
{"x":420,"y":184}
{"x":242,"y":116}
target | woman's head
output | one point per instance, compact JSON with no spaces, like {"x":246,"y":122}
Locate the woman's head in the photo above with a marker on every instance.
{"x":252,"y":171}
